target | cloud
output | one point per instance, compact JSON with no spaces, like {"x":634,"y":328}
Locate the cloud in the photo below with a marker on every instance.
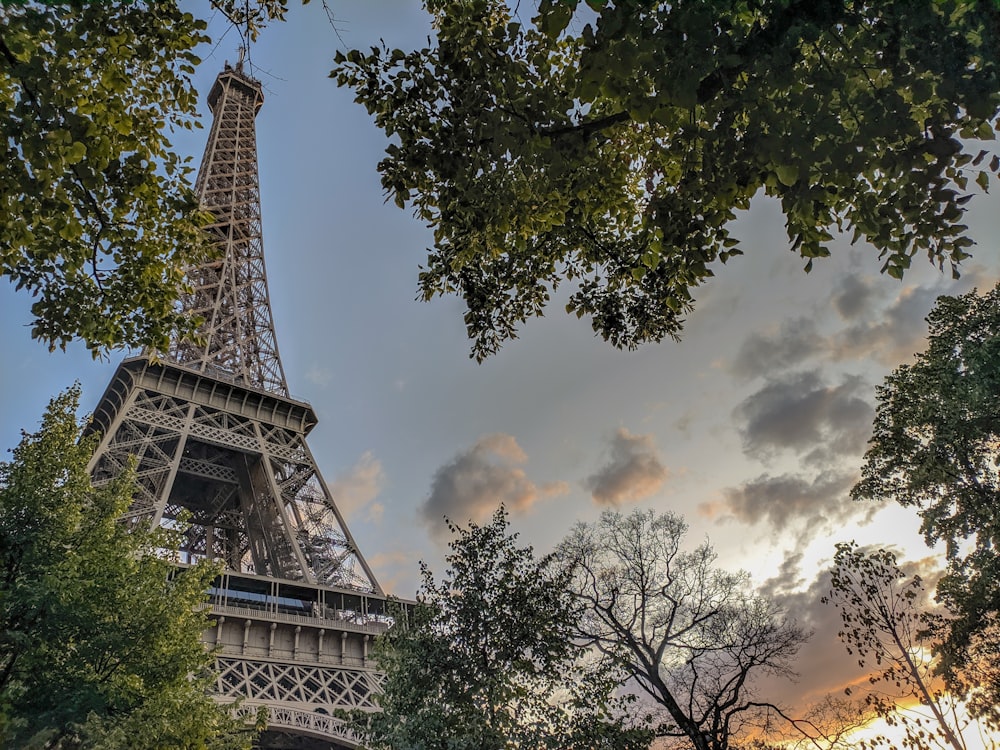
{"x":633,"y":472}
{"x":396,"y":571}
{"x":355,"y":490}
{"x":888,"y":328}
{"x":823,"y":664}
{"x":476,"y":481}
{"x":799,"y":412}
{"x":789,"y":576}
{"x":893,"y":334}
{"x":853,"y":296}
{"x":791,"y":500}
{"x":791,"y":343}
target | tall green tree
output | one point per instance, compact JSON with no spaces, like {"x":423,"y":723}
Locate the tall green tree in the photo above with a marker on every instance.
{"x":935,"y":448}
{"x":694,"y":638}
{"x":486,"y":660}
{"x":100,"y":634}
{"x":611,"y":146}
{"x":97,"y":219}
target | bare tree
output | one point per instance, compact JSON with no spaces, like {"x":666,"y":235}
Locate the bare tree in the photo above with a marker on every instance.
{"x":695,"y":638}
{"x":888,"y":626}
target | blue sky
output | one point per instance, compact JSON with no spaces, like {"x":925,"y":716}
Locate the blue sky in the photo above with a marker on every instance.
{"x":752,"y":427}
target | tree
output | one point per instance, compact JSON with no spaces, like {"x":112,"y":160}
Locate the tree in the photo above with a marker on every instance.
{"x":612,"y":146}
{"x":934,"y":448}
{"x":100,"y":635}
{"x":979,"y":679}
{"x":97,"y":219}
{"x":887,"y":627}
{"x":696,"y":639}
{"x":486,"y":660}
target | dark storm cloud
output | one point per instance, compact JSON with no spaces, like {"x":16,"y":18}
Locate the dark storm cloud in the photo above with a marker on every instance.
{"x":633,"y":472}
{"x":800,"y":413}
{"x":790,"y":500}
{"x":792,"y":343}
{"x":476,"y":481}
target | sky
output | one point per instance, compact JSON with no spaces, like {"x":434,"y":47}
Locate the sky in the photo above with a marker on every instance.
{"x":752,"y":427}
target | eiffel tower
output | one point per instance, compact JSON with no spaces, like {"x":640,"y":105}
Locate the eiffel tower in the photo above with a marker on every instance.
{"x":219,"y":442}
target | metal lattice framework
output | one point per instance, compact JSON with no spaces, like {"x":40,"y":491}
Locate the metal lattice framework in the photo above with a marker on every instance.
{"x":235,"y":463}
{"x":219,"y":445}
{"x":230,"y":294}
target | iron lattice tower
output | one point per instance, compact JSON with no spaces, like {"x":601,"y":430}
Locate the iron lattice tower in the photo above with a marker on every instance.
{"x":218,"y":441}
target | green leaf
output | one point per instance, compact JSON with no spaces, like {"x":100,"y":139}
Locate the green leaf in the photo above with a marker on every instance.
{"x":75,"y":153}
{"x":788,"y":174}
{"x":554,"y":20}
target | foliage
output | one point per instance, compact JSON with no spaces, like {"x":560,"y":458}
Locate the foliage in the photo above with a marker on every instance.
{"x":934,"y":448}
{"x":97,"y":219}
{"x":486,"y":660}
{"x":888,"y":627}
{"x":696,"y":639}
{"x":613,"y":146}
{"x":99,"y":634}
{"x":979,"y":680}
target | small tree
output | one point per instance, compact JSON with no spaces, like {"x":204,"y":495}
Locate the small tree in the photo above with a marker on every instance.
{"x":888,"y":628}
{"x":694,"y":638}
{"x":487,"y":661}
{"x":100,"y":637}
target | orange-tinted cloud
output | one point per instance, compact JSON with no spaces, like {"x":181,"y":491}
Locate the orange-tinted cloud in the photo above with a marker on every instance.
{"x":356,"y":489}
{"x":397,"y":571}
{"x":476,"y":481}
{"x":633,"y":472}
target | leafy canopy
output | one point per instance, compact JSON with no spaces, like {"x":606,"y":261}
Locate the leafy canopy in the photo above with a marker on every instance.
{"x":100,"y":636}
{"x":612,"y":146}
{"x":97,"y":219}
{"x":486,"y":660}
{"x":935,"y":448}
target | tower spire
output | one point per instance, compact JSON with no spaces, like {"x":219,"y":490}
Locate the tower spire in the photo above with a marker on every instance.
{"x":229,"y":292}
